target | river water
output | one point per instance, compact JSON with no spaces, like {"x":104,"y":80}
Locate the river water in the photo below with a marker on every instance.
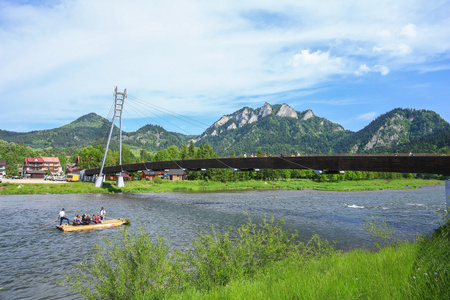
{"x":33,"y":259}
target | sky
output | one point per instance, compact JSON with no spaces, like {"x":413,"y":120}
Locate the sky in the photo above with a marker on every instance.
{"x":348,"y":61}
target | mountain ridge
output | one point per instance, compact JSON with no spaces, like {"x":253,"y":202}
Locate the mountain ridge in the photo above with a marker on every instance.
{"x":270,"y":128}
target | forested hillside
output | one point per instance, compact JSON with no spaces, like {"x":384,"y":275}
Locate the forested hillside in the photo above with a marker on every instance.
{"x":397,"y":127}
{"x":272,"y":129}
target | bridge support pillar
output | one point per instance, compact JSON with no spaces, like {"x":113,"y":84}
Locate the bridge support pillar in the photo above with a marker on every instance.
{"x":99,"y":181}
{"x":447,"y":193}
{"x":119,"y":182}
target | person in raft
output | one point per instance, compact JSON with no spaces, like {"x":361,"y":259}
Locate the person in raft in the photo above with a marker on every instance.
{"x":95,"y":219}
{"x":76,"y":220}
{"x":102,"y":214}
{"x":62,"y":216}
{"x":86,"y":220}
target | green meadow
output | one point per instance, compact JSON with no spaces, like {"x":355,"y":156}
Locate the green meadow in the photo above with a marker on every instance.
{"x":196,"y":186}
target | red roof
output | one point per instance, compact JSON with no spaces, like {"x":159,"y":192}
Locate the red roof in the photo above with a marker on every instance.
{"x":51,"y":159}
{"x":33,"y":160}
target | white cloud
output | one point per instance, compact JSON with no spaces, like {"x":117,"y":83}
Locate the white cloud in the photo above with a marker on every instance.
{"x":317,"y":59}
{"x":399,"y":49}
{"x":192,"y":52}
{"x":368,"y":116}
{"x":409,"y":30}
{"x":364,"y":69}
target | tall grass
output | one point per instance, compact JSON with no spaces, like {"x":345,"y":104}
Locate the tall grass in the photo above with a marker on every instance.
{"x":263,"y":262}
{"x":140,"y":266}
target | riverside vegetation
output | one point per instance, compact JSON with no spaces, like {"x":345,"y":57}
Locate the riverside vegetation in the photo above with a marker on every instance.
{"x":265,"y":262}
{"x":159,"y":185}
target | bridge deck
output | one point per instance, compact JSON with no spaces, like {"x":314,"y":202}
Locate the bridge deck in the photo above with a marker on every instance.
{"x":427,"y":164}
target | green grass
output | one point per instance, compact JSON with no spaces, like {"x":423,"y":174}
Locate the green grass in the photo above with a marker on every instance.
{"x":354,"y":275}
{"x":263,"y":262}
{"x":211,"y":186}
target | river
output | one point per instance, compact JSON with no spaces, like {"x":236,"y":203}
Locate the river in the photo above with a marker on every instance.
{"x":33,"y":259}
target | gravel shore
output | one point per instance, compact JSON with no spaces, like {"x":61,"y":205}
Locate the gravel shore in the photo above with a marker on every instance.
{"x":35,"y":181}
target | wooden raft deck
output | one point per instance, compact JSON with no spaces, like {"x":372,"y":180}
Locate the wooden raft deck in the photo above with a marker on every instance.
{"x":105,"y":224}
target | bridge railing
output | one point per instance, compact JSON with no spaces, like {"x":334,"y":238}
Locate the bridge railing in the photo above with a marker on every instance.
{"x":427,"y":164}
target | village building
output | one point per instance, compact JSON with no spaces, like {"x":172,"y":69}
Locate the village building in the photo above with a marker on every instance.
{"x":72,"y":168}
{"x":171,"y":174}
{"x":52,"y":165}
{"x":33,"y":167}
{"x":37,"y":167}
{"x":3,"y":167}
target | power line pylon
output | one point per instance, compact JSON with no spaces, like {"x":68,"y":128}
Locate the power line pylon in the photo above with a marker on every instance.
{"x":119,"y":99}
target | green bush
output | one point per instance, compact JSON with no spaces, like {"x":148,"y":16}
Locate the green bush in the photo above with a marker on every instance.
{"x":137,"y":265}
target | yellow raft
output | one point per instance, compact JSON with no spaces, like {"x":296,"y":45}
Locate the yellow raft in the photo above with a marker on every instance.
{"x":105,"y":224}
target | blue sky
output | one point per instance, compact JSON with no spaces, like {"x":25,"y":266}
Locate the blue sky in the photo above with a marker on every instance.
{"x":348,"y":61}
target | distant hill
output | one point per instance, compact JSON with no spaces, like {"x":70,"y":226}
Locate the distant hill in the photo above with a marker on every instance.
{"x":272,"y":129}
{"x":92,"y":129}
{"x":394,"y":128}
{"x":83,"y":131}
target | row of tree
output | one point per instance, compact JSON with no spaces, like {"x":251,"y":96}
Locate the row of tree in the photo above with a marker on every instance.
{"x":91,"y":157}
{"x":15,"y":154}
{"x":228,"y":175}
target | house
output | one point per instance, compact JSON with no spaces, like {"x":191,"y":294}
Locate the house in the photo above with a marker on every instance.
{"x":125,"y":176}
{"x":72,"y":169}
{"x":3,"y":167}
{"x":35,"y":174}
{"x":33,"y":164}
{"x":170,"y":174}
{"x":52,"y":165}
{"x":36,"y":167}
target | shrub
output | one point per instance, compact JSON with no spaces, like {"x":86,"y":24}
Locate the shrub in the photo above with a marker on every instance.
{"x":137,"y":265}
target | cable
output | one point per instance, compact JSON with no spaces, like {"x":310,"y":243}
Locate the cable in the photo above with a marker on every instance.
{"x":305,"y":167}
{"x":166,"y":121}
{"x":174,"y":113}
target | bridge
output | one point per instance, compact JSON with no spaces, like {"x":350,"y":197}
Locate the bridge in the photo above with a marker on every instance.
{"x":321,"y":164}
{"x":427,"y":164}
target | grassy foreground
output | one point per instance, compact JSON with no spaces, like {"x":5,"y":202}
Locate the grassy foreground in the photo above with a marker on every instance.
{"x":212,"y":186}
{"x":263,"y":262}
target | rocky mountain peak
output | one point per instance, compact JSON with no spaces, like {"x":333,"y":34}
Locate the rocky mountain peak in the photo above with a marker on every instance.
{"x":287,"y":111}
{"x":265,"y":110}
{"x":308,"y":115}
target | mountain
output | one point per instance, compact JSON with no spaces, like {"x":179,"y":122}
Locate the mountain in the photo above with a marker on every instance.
{"x":272,"y":129}
{"x":397,"y":127}
{"x":83,"y":131}
{"x":92,"y":129}
{"x":152,"y":138}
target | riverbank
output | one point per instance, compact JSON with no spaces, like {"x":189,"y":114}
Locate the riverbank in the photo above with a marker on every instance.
{"x":220,"y":267}
{"x":30,"y":186}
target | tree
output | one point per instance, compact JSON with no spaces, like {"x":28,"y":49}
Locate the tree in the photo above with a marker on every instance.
{"x":173,"y":152}
{"x":144,"y":155}
{"x":184,"y":151}
{"x":15,"y":154}
{"x":192,"y":151}
{"x":90,"y":157}
{"x":201,"y":153}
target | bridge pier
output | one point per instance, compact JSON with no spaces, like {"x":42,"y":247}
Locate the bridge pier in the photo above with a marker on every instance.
{"x":99,"y":181}
{"x":119,"y":181}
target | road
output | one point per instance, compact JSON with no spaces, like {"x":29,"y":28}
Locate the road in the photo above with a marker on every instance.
{"x":35,"y":181}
